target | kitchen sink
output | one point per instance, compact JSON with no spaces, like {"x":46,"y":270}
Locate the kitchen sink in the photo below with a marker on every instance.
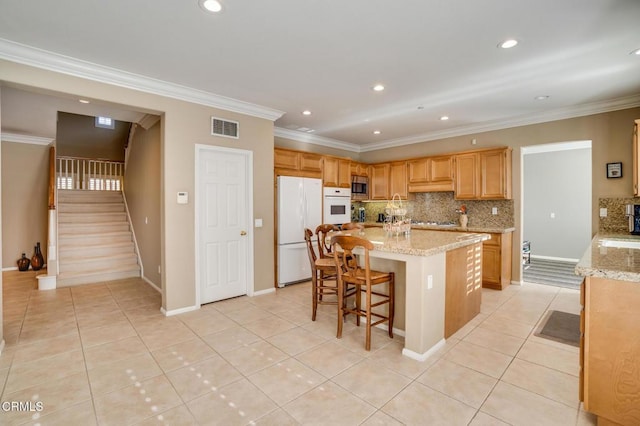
{"x":632,"y":244}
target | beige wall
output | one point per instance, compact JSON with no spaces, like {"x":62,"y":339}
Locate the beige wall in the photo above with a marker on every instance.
{"x":1,"y":240}
{"x":184,"y":125}
{"x":308,"y":147}
{"x":25,"y":179}
{"x":78,"y":136}
{"x":142,"y":189}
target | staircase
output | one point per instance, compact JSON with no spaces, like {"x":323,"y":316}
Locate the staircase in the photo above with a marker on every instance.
{"x":95,"y":242}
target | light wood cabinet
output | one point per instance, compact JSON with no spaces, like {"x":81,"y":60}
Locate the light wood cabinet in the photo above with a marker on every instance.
{"x":636,"y":159}
{"x":463,"y":289}
{"x":496,"y":261}
{"x":430,"y":174}
{"x":297,"y":163}
{"x":610,"y":350}
{"x":387,"y":179}
{"x":379,"y":181}
{"x":337,"y":172}
{"x":495,"y":174}
{"x":398,"y":179}
{"x":467,"y":176}
{"x":483,"y":175}
{"x":359,"y":169}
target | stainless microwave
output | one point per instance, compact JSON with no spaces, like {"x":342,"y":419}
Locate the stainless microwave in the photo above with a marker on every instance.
{"x":359,"y":187}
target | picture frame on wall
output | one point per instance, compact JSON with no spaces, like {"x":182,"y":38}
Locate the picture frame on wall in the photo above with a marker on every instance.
{"x":614,"y":170}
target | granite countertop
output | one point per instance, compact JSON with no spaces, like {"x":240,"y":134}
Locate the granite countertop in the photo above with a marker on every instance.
{"x":418,"y":242}
{"x":603,"y":259}
{"x":454,"y":228}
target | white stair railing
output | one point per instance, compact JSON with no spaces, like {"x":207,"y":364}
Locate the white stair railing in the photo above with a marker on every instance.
{"x":89,"y":174}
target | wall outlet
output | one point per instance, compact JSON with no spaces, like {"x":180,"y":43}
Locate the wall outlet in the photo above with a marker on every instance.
{"x":603,"y":212}
{"x":494,"y":210}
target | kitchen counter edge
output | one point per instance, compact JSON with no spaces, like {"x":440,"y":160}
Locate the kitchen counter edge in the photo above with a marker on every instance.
{"x":486,"y":230}
{"x":611,"y":262}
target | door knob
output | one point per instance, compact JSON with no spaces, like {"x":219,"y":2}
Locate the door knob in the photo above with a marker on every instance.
{"x":243,"y":232}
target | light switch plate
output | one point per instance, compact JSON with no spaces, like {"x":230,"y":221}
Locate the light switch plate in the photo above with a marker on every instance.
{"x":258,"y":223}
{"x":603,"y":212}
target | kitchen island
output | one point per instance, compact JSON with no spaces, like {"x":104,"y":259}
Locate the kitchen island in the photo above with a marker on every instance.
{"x":610,"y":326}
{"x":438,"y":282}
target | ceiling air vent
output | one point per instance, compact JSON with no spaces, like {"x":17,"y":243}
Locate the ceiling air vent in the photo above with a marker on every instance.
{"x":226,"y":128}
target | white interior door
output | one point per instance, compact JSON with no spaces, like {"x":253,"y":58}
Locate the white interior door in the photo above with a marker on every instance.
{"x":224,"y":217}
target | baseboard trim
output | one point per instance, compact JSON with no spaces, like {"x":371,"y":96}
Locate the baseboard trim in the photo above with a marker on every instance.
{"x":152,"y":284}
{"x":424,"y":356}
{"x":179,"y":311}
{"x":261,"y":292}
{"x":11,"y":268}
{"x":559,"y":259}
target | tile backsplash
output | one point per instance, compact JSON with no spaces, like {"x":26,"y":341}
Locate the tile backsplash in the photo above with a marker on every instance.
{"x":441,"y":207}
{"x":616,"y":221}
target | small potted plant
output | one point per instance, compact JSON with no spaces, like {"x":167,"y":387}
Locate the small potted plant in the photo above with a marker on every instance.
{"x":464,"y":219}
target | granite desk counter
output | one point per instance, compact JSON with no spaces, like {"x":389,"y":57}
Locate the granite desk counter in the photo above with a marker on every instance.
{"x":435,"y":274}
{"x":610,"y":322}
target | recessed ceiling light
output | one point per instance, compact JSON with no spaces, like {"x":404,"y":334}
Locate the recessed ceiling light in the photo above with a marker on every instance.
{"x":376,"y":132}
{"x":541,"y":98}
{"x":378,"y":88}
{"x":444,"y":118}
{"x":83,"y":101}
{"x":508,"y":44}
{"x":306,"y":112}
{"x":210,"y":5}
{"x":635,"y":52}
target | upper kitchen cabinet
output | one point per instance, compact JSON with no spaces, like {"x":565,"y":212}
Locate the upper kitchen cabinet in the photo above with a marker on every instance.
{"x":387,"y":179}
{"x":337,"y":172}
{"x":297,"y":163}
{"x":483,"y":175}
{"x":379,"y":181}
{"x":636,"y":159}
{"x":430,"y":174}
{"x":398,"y":179}
{"x":359,"y":169}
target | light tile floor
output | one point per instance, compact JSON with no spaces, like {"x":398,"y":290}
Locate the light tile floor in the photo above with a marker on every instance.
{"x":104,"y":354}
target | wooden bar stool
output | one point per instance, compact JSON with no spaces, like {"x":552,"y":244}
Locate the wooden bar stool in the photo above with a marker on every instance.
{"x":323,"y":276}
{"x":363,"y":278}
{"x":324,"y":243}
{"x":352,"y":225}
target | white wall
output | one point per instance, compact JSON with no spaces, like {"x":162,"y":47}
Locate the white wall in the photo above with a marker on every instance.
{"x":557,"y":183}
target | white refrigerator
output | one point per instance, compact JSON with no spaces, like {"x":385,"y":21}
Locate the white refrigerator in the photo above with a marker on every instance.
{"x":299,"y":207}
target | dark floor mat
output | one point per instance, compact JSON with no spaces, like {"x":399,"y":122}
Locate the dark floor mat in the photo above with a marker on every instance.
{"x":562,"y":327}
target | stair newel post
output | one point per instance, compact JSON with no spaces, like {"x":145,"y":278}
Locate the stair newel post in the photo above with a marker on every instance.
{"x":48,"y":281}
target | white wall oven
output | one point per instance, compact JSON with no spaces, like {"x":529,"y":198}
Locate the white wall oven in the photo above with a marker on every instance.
{"x":336,"y":205}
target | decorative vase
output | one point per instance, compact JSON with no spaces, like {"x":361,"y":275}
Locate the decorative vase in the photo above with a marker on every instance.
{"x":23,"y":263}
{"x":37,"y":261}
{"x":464,"y":219}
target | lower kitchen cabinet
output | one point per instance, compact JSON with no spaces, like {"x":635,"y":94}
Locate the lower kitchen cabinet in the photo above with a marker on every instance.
{"x":496,"y":261}
{"x":610,"y":350}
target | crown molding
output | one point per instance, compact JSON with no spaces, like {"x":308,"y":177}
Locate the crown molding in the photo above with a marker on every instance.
{"x":315,"y":139}
{"x":547,"y":116}
{"x":17,"y":138}
{"x":50,"y":61}
{"x":148,"y":121}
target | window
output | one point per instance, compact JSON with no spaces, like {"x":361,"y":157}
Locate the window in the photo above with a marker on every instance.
{"x":65,"y":183}
{"x":105,"y":122}
{"x":104,"y":184}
